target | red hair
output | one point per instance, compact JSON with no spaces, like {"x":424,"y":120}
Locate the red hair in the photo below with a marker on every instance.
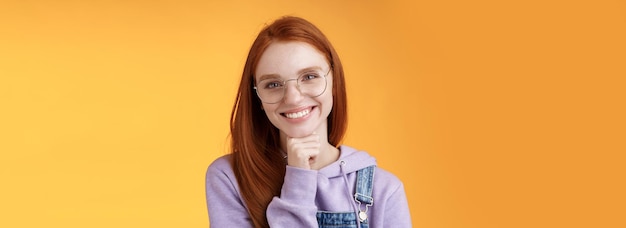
{"x":256,"y":158}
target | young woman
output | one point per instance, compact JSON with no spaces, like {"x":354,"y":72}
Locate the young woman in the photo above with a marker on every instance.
{"x":287,"y":168}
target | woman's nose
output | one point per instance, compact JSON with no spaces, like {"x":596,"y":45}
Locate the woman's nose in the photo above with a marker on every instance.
{"x":292,"y":95}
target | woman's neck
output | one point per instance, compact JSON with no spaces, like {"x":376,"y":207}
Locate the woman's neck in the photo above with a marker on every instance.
{"x":328,"y":154}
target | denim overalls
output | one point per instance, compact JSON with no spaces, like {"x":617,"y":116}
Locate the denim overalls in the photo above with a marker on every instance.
{"x":363,"y":197}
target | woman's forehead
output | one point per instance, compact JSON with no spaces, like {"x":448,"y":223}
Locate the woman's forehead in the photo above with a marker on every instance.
{"x":289,"y":58}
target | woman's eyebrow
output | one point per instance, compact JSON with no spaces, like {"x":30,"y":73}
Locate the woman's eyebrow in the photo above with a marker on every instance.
{"x":268,"y":76}
{"x":309,"y":69}
{"x":301,"y":71}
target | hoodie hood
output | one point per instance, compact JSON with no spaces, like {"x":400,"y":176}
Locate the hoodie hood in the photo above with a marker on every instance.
{"x":351,"y":159}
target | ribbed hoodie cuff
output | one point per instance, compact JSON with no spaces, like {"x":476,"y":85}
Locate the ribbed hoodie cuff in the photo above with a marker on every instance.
{"x":300,"y":185}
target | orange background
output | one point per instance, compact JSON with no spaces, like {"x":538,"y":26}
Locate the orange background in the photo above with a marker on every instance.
{"x":493,"y":113}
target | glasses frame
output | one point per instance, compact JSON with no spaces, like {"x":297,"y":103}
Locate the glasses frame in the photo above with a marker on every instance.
{"x":284,"y":84}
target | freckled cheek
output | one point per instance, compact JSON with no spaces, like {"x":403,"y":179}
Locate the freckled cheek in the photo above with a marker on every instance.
{"x":327,"y":105}
{"x":269,"y":110}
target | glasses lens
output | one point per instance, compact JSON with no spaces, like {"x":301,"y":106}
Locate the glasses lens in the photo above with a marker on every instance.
{"x":270,"y":90}
{"x":312,"y":85}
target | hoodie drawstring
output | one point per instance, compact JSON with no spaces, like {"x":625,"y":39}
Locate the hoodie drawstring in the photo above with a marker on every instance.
{"x":342,"y":163}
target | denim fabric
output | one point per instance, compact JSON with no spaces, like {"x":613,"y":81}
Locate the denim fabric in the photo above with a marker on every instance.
{"x":363,"y":196}
{"x":363,"y":193}
{"x":338,"y":220}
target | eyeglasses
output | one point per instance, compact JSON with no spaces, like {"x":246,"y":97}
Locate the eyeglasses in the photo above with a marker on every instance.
{"x":272,"y":90}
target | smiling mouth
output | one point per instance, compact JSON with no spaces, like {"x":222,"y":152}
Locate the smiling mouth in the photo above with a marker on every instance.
{"x":300,"y":114}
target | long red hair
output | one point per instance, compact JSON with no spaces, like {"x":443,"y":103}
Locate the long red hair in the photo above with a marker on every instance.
{"x":255,"y":143}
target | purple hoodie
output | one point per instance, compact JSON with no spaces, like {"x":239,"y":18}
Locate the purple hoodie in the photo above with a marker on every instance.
{"x":305,"y":192}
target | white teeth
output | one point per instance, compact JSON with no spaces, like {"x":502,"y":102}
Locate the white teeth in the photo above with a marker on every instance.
{"x":297,"y":114}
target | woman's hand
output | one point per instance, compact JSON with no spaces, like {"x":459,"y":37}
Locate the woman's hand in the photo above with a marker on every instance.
{"x":302,"y":152}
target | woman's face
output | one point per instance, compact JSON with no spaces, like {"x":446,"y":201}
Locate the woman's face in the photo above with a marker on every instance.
{"x":300,"y":112}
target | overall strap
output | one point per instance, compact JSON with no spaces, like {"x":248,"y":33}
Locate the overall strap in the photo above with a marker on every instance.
{"x":363,"y":195}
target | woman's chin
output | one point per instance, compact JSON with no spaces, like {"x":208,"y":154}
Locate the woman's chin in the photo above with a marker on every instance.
{"x":298,"y":133}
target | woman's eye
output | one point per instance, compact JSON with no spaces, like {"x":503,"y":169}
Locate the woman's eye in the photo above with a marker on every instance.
{"x":272,"y":85}
{"x":309,"y":77}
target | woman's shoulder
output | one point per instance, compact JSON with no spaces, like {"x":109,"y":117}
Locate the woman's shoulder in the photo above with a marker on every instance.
{"x":386,"y":182}
{"x":364,"y":159}
{"x":382,"y":174}
{"x":221,"y":165}
{"x":220,"y":174}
